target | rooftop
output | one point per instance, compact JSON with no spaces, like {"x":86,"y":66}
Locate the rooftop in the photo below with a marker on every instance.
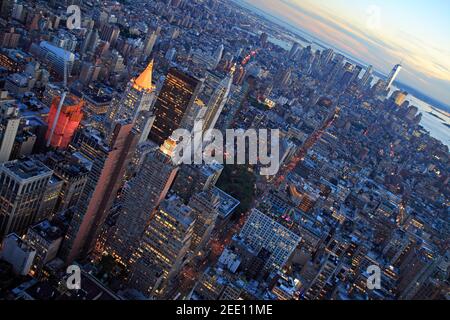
{"x":26,"y":169}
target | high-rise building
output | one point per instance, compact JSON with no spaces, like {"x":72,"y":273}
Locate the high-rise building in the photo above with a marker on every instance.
{"x":216,"y":102}
{"x":150,"y":42}
{"x":139,"y":96}
{"x":68,"y":121}
{"x":393,"y":75}
{"x":9,"y":124}
{"x":145,"y":193}
{"x":217,"y":56}
{"x":109,"y":33}
{"x":399,"y":97}
{"x":55,"y":58}
{"x":22,"y":187}
{"x":261,"y":231}
{"x":174,"y":103}
{"x":192,"y":179}
{"x":107,"y":168}
{"x":163,"y":248}
{"x":72,"y":174}
{"x":294,"y":50}
{"x":205,"y":209}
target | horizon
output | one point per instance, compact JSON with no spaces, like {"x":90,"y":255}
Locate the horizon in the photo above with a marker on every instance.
{"x":427,"y":77}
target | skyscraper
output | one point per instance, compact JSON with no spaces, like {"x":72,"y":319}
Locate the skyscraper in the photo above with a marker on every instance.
{"x":217,"y":101}
{"x":173,"y":104}
{"x":22,"y":187}
{"x":108,"y":164}
{"x":163,"y":248}
{"x":205,"y":209}
{"x":145,"y":193}
{"x":138,"y":97}
{"x":9,"y":124}
{"x":69,"y":118}
{"x":393,"y":75}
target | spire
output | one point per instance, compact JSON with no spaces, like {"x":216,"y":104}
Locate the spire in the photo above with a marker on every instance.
{"x":144,"y":81}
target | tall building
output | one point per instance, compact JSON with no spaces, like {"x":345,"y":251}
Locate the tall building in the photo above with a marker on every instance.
{"x":139,"y":96}
{"x":205,"y":210}
{"x":217,"y":101}
{"x":55,"y":58}
{"x":192,"y":179}
{"x":109,"y":33}
{"x":262,"y":232}
{"x":72,"y":174}
{"x":217,"y":56}
{"x":22,"y":187}
{"x":294,"y":50}
{"x":163,"y":248}
{"x":107,"y":164}
{"x":9,"y":125}
{"x":68,"y":121}
{"x":393,"y":75}
{"x":150,"y":42}
{"x":174,"y":103}
{"x":144,"y":194}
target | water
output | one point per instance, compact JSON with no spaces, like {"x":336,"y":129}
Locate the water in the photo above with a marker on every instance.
{"x":436,"y":126}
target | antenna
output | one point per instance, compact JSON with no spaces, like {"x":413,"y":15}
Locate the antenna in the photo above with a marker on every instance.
{"x":61,"y":103}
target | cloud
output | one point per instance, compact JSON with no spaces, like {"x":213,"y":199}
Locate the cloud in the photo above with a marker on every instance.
{"x":426,"y":65}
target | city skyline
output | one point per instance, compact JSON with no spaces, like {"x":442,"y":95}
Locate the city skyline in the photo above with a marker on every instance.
{"x":394,"y":38}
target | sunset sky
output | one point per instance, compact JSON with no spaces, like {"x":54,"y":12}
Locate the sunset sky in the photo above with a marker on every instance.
{"x":382,"y":33}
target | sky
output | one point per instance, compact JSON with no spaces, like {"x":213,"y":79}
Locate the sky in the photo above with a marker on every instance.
{"x":382,"y":33}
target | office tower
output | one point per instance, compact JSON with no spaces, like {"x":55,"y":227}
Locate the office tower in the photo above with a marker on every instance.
{"x":18,"y":253}
{"x":109,"y":33}
{"x":192,"y":179}
{"x":144,"y":194}
{"x":217,"y":56}
{"x":90,"y":42}
{"x":9,"y":125}
{"x":294,"y":50}
{"x":138,"y":96}
{"x":283,"y":77}
{"x":73,"y":175}
{"x":6,"y":7}
{"x":150,"y":42}
{"x":45,"y":238}
{"x":261,"y":231}
{"x":68,"y":121}
{"x":174,"y":102}
{"x":205,"y":209}
{"x":263,"y":39}
{"x":50,"y":198}
{"x":163,"y":248}
{"x":22,"y":186}
{"x":107,"y":167}
{"x":326,"y":57}
{"x":55,"y":58}
{"x":366,"y":77}
{"x":393,"y":75}
{"x":399,"y":97}
{"x":217,"y":101}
